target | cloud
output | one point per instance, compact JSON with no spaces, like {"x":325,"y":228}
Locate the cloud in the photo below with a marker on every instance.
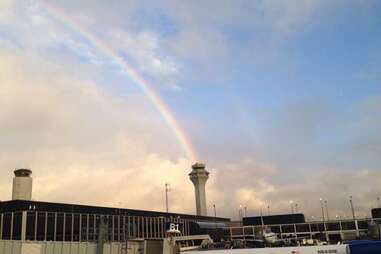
{"x":6,"y":5}
{"x":143,"y":50}
{"x":255,"y":186}
{"x":76,"y":133}
{"x":30,"y":28}
{"x":242,"y":183}
{"x":335,"y":186}
{"x":289,"y":17}
{"x":86,"y":143}
{"x":170,"y":41}
{"x":79,"y":138}
{"x":139,"y":187}
{"x":198,"y":37}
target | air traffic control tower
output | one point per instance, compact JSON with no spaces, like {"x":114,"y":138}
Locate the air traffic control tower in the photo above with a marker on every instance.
{"x":22,"y":184}
{"x":199,"y":176}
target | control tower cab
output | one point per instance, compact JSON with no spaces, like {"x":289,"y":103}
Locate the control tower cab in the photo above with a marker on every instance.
{"x":199,"y":176}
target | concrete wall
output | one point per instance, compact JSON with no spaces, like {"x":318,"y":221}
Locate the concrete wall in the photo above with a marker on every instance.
{"x":153,"y":247}
{"x":19,"y":247}
{"x":22,"y":188}
{"x":337,"y":249}
{"x":10,"y":247}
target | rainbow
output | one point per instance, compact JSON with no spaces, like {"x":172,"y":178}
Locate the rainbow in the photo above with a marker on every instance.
{"x":100,"y":45}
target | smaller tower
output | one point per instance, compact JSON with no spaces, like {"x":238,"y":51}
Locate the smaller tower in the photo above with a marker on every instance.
{"x":22,"y":184}
{"x":199,"y":176}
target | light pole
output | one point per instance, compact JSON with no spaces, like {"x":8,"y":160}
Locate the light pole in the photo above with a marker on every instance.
{"x":245,"y":209}
{"x":352,"y":208}
{"x":378,"y":202}
{"x":166,"y":196}
{"x":292,"y":206}
{"x":296,"y":207}
{"x":215,"y":215}
{"x":326,"y":208}
{"x":268,"y":210}
{"x":240,"y":214}
{"x":322,"y":209}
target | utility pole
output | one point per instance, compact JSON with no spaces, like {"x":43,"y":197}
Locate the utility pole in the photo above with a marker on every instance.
{"x":326,"y":209}
{"x":322,"y":209}
{"x":166,"y":196}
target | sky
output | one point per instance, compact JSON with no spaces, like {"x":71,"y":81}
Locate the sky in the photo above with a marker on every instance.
{"x":107,"y":102}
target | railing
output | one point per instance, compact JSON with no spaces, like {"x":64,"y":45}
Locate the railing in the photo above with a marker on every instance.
{"x":308,"y":229}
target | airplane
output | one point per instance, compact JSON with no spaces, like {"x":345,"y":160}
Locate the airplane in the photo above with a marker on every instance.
{"x":271,"y":239}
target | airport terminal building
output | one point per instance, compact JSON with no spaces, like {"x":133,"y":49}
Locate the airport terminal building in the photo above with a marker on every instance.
{"x":24,"y":219}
